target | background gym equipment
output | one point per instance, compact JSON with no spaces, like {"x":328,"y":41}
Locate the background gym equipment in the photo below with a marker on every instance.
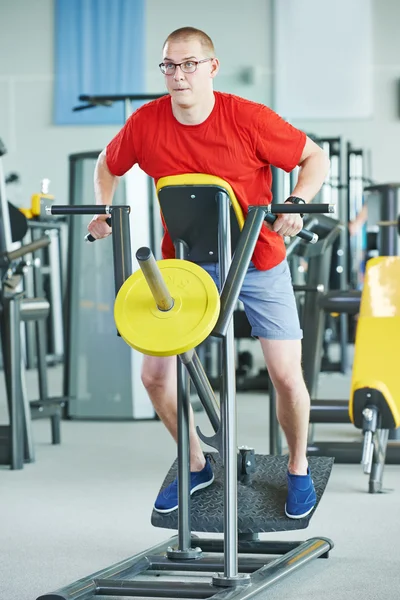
{"x":383,"y":412}
{"x":46,"y":278}
{"x":237,"y":576}
{"x":16,"y":443}
{"x":349,"y":172}
{"x":383,"y":202}
{"x":90,"y":295}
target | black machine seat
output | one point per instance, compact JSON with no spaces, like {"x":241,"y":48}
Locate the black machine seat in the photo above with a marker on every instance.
{"x":341,"y":301}
{"x":260,"y":503}
{"x":190,"y":209}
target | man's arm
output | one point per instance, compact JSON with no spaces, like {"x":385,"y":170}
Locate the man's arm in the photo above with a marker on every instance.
{"x":105,"y":184}
{"x":314,"y":166}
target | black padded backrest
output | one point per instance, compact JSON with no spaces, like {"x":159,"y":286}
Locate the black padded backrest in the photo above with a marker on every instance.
{"x":191,"y":214}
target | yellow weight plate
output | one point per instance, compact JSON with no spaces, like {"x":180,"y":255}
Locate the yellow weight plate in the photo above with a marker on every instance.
{"x":166,"y":333}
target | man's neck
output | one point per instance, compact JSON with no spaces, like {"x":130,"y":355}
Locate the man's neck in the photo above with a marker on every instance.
{"x":194,"y":115}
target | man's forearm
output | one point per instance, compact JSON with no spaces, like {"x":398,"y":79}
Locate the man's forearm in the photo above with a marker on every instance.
{"x":312,"y":174}
{"x":105,"y":183}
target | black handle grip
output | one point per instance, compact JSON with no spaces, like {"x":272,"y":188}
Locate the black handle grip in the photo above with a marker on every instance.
{"x":304,"y":234}
{"x":90,"y":238}
{"x":73,"y":209}
{"x":300,"y":208}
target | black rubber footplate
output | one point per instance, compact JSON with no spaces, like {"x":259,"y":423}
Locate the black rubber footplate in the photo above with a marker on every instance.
{"x":261,"y":504}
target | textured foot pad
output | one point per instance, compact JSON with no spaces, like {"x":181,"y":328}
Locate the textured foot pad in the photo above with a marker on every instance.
{"x":261,"y":504}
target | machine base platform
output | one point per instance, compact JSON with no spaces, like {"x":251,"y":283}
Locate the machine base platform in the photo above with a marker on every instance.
{"x":261,"y":503}
{"x":152,"y":574}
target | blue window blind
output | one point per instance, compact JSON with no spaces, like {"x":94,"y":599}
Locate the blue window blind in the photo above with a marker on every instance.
{"x":99,"y":50}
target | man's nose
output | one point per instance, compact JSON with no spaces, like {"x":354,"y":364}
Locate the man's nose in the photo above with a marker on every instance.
{"x":179,"y":74}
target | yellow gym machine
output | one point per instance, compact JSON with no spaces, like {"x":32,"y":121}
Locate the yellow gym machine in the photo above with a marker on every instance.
{"x":169,"y":308}
{"x":375,"y":388}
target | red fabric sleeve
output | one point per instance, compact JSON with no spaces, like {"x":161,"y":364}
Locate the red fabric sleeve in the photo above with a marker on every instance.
{"x":279,"y":143}
{"x":120,"y":152}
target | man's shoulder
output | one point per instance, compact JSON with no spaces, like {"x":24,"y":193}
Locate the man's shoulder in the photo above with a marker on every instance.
{"x":246,"y":113}
{"x":240,"y":103}
{"x":150,"y":108}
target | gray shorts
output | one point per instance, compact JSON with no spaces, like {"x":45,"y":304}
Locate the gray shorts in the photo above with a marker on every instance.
{"x":268,"y":300}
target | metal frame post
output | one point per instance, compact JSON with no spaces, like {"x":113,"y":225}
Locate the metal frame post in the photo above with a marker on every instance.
{"x":184,"y":550}
{"x":230,"y":577}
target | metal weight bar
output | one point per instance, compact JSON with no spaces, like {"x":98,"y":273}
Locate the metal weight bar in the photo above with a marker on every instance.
{"x":155,"y":280}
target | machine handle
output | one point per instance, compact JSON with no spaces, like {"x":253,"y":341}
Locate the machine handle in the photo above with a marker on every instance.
{"x":90,"y":238}
{"x":304,"y":234}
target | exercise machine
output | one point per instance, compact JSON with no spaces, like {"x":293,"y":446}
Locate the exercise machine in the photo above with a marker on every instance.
{"x":378,"y":418}
{"x":16,"y":440}
{"x":45,"y":279}
{"x":169,"y":308}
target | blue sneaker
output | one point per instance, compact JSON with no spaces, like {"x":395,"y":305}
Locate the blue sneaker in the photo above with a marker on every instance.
{"x":167,"y":499}
{"x":301,"y":497}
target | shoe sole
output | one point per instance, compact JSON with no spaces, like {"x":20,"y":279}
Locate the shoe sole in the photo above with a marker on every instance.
{"x":201,"y":486}
{"x":299,"y":516}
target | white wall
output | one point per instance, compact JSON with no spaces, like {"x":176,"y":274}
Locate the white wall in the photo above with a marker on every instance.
{"x":381,"y":133}
{"x":242,"y":33}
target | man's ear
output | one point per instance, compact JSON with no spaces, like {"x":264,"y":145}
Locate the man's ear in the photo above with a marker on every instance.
{"x":214,"y":67}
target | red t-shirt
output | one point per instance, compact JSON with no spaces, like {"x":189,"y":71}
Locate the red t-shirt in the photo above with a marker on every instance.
{"x":237,"y":142}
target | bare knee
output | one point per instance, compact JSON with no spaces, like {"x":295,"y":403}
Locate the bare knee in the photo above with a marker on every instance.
{"x":289,"y":383}
{"x":158,"y":373}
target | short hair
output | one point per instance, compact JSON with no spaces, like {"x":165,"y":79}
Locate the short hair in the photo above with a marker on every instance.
{"x":191,"y":33}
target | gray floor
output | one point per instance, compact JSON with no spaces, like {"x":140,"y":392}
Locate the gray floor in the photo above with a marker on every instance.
{"x":86,"y":504}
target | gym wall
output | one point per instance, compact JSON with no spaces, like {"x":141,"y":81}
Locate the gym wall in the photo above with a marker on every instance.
{"x":242,"y":33}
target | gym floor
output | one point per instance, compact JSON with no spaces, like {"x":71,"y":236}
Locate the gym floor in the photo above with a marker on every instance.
{"x":86,"y":505}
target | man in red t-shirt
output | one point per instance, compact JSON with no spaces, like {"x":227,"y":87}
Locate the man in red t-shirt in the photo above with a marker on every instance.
{"x":196,"y":130}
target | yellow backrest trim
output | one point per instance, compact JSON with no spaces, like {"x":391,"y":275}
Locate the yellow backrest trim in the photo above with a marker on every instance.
{"x":204,"y":179}
{"x":381,"y":290}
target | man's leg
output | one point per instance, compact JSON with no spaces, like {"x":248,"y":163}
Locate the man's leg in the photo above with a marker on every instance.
{"x":270,"y":306}
{"x":283,"y":360}
{"x":159,"y":379}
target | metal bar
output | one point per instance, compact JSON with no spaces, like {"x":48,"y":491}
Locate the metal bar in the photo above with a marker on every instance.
{"x":154,"y":278}
{"x":184,"y":502}
{"x":121,"y":240}
{"x":5,"y":225}
{"x":388,"y":244}
{"x":203,"y":388}
{"x":278,"y":569}
{"x":15,"y":390}
{"x":275,"y":439}
{"x":155,"y":589}
{"x":29,"y":451}
{"x":228,"y":397}
{"x":205,"y":564}
{"x":379,"y":458}
{"x":27,"y":248}
{"x":41,"y":363}
{"x":85,"y":588}
{"x":183,"y":392}
{"x":86,"y":209}
{"x":238,"y":269}
{"x":246,"y":546}
{"x":118,"y":97}
{"x":56,"y":293}
{"x":329,"y":411}
{"x":350,"y":453}
{"x":281,"y":209}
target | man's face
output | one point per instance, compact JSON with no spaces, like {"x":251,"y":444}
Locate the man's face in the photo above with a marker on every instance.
{"x":187,"y":88}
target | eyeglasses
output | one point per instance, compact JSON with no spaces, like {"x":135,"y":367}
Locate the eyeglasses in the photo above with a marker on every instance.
{"x":188,"y":66}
